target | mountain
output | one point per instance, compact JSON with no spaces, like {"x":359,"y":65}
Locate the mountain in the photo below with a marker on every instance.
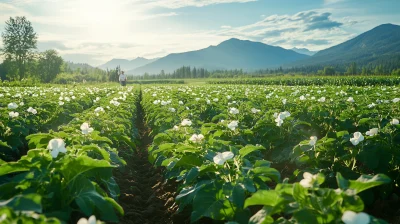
{"x":304,"y":51}
{"x":375,"y":46}
{"x":230,"y":54}
{"x":83,"y":67}
{"x":126,"y":64}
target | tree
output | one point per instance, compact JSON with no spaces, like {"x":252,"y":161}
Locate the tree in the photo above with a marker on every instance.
{"x":352,"y":69}
{"x":19,"y":40}
{"x":49,"y":65}
{"x":329,"y":71}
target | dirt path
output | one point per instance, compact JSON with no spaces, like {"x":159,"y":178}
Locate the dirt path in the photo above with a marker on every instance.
{"x":145,"y":197}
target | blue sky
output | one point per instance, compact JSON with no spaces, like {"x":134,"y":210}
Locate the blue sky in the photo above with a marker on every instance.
{"x":95,"y":31}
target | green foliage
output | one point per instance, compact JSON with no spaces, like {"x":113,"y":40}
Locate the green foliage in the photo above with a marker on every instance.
{"x":49,"y":65}
{"x":19,"y":40}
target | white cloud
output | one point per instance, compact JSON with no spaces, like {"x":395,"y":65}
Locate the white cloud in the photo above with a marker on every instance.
{"x":332,"y":1}
{"x":174,"y":4}
{"x":315,"y":29}
{"x":225,"y":27}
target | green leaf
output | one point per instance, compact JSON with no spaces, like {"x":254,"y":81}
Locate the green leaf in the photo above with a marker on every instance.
{"x":263,"y":197}
{"x":238,"y":196}
{"x":95,"y":148}
{"x":305,"y":216}
{"x":249,"y":149}
{"x":189,"y":161}
{"x":28,"y":202}
{"x":364,"y":121}
{"x":342,"y":183}
{"x":262,"y":217}
{"x":192,"y":174}
{"x":268,"y":172}
{"x":39,"y":140}
{"x":210,"y":201}
{"x":73,"y":167}
{"x":300,"y":194}
{"x":365,"y":182}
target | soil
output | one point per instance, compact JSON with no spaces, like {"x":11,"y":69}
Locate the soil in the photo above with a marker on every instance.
{"x":145,"y":196}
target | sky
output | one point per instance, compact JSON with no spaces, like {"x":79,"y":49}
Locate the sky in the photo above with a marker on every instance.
{"x":96,"y":31}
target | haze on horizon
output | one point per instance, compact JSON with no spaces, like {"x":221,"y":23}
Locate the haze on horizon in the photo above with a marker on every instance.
{"x":93,"y":32}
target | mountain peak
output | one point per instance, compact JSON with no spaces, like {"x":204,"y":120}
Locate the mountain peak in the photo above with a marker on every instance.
{"x":367,"y":48}
{"x":230,"y":54}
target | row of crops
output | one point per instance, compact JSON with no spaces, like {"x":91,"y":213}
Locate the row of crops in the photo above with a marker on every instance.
{"x":325,"y":80}
{"x":279,"y":154}
{"x":58,"y":150}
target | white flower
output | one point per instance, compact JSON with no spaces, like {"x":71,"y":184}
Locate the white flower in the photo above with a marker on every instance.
{"x":61,"y":103}
{"x":308,"y":180}
{"x":86,"y":129}
{"x":196,"y":138}
{"x":180,"y":103}
{"x":215,"y":99}
{"x":156,"y":102}
{"x":12,"y":106}
{"x":115,"y":103}
{"x":175,"y":128}
{"x":254,"y":110}
{"x":394,"y":121}
{"x":172,"y":110}
{"x":67,"y":99}
{"x":22,"y":103}
{"x":56,"y":146}
{"x":302,"y":98}
{"x":313,"y":140}
{"x":228,"y":97}
{"x":371,"y":105}
{"x":395,"y":100}
{"x":31,"y":110}
{"x":372,"y":132}
{"x":13,"y":114}
{"x":285,"y":114}
{"x":358,"y":137}
{"x":99,"y":109}
{"x":233,"y":125}
{"x":221,"y":158}
{"x":350,"y":99}
{"x":91,"y":220}
{"x":233,"y":110}
{"x":284,"y":101}
{"x":208,"y":101}
{"x":186,"y":122}
{"x":322,"y":99}
{"x":350,"y":217}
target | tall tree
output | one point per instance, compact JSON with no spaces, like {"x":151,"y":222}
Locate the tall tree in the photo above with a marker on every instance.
{"x":49,"y":65}
{"x":19,"y":40}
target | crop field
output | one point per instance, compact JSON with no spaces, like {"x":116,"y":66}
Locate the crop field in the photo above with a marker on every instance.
{"x":215,"y":153}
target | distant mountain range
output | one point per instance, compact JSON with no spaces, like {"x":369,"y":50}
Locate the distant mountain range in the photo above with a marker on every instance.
{"x":304,"y":51}
{"x":230,"y":54}
{"x":126,"y":64}
{"x":376,"y":45}
{"x":379,"y":45}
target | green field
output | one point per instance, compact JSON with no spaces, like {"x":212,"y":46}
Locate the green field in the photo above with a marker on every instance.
{"x":229,"y":153}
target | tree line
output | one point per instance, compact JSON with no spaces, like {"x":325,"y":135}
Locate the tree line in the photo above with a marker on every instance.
{"x":186,"y":72}
{"x":22,"y":61}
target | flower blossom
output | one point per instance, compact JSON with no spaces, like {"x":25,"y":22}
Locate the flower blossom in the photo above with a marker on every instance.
{"x":233,"y":125}
{"x":350,"y":217}
{"x":313,"y":140}
{"x":372,"y":132}
{"x":186,"y":122}
{"x":357,"y":138}
{"x":86,"y":129}
{"x":56,"y":146}
{"x":197,"y":138}
{"x":221,"y":158}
